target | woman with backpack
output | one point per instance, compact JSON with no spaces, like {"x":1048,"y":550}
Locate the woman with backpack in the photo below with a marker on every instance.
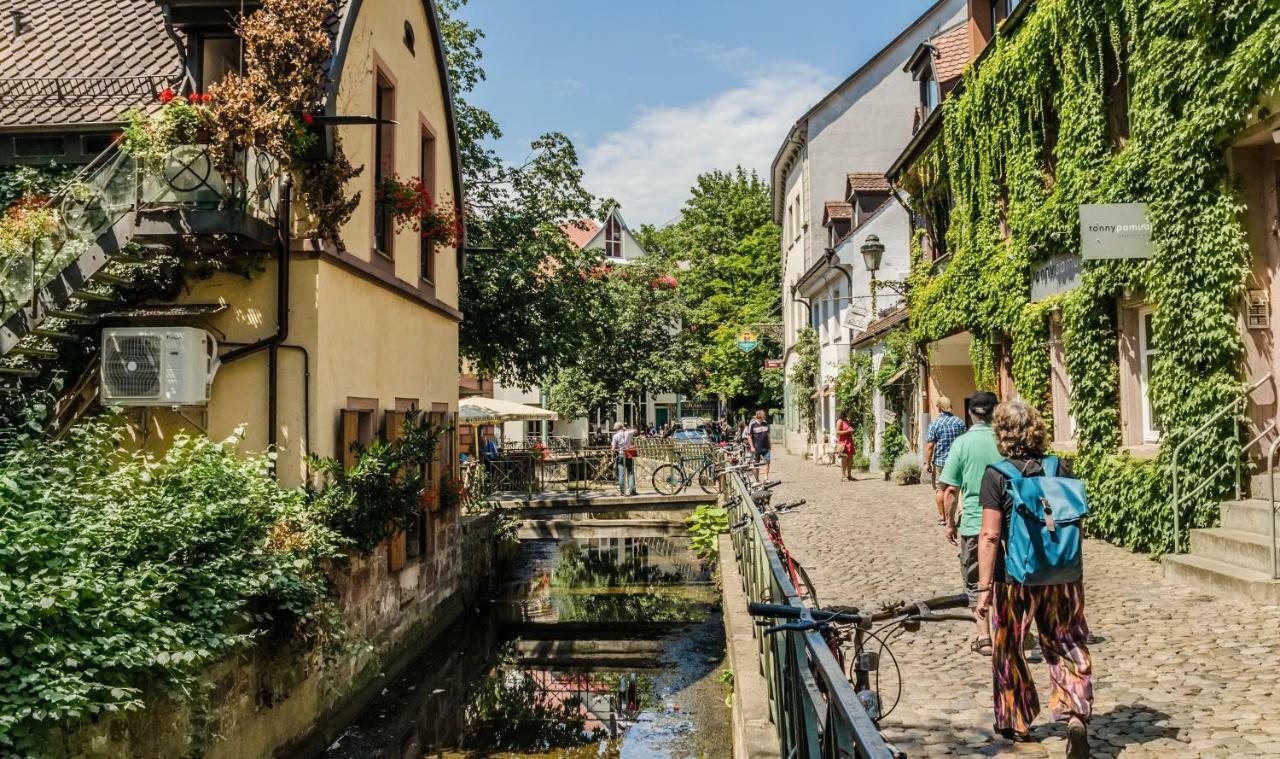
{"x":1030,"y":568}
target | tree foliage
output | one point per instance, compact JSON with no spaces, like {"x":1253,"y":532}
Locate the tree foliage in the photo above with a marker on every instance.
{"x":530,"y":301}
{"x":729,"y":243}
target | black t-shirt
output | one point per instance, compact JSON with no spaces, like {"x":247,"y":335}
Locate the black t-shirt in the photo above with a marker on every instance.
{"x":994,"y":494}
{"x":759,"y":435}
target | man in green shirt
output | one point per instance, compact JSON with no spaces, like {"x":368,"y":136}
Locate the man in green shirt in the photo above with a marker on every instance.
{"x":970,"y":456}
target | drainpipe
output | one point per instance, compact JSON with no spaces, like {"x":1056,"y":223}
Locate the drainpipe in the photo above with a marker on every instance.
{"x":833,"y":262}
{"x":272,"y":343}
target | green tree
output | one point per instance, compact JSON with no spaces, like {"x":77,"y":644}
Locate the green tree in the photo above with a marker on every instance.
{"x":644,"y":348}
{"x":531,"y":301}
{"x":730,"y":273}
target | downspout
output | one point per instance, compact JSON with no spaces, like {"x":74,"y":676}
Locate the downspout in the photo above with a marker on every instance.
{"x":272,"y":343}
{"x":847,"y":270}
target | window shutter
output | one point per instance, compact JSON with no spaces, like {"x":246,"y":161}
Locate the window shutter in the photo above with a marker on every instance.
{"x":349,"y":435}
{"x":397,"y":544}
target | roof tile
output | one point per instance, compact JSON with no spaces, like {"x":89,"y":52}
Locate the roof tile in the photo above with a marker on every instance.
{"x":580,"y":232}
{"x":952,"y":53}
{"x":867,"y":181}
{"x":837,"y":210}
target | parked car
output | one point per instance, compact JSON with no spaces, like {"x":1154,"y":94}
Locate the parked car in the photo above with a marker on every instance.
{"x":691,"y":436}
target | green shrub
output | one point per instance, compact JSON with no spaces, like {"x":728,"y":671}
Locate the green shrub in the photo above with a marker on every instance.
{"x":893,"y":445}
{"x":120,"y":571}
{"x":706,"y":525}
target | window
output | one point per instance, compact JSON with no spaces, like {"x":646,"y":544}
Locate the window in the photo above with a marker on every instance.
{"x":33,"y":147}
{"x":1148,"y":351}
{"x":613,"y":238}
{"x":1002,"y":9}
{"x":219,"y":56}
{"x":93,"y":144}
{"x":930,"y":95}
{"x":427,"y":170}
{"x":384,"y":165}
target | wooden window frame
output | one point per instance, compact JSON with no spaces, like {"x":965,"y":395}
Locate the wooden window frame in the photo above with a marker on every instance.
{"x":384,"y":140}
{"x":428,"y":146}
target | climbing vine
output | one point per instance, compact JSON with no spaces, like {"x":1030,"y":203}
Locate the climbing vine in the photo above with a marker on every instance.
{"x":855,"y":386}
{"x":1109,"y":101}
{"x":804,"y":378}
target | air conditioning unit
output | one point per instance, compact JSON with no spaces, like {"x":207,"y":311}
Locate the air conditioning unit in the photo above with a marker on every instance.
{"x":157,"y":366}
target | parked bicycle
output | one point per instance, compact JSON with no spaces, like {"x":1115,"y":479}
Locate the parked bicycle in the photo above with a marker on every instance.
{"x":674,"y":477}
{"x":848,"y":628}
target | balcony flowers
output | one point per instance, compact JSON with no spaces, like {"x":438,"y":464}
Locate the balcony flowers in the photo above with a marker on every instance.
{"x":149,"y":138}
{"x":409,"y":202}
{"x":23,"y":223}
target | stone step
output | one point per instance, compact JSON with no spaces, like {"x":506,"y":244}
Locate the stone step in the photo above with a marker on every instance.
{"x":1249,"y":515}
{"x":1247,"y":550}
{"x":1222,"y":579}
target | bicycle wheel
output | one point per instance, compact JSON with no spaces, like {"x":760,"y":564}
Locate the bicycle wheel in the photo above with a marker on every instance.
{"x":668,"y":479}
{"x":707,"y":479}
{"x":808,"y":591}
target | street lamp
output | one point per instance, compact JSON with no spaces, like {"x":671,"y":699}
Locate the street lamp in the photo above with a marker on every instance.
{"x":872,"y":254}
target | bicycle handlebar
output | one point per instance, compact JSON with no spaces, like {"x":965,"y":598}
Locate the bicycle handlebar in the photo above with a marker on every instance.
{"x":919,"y":609}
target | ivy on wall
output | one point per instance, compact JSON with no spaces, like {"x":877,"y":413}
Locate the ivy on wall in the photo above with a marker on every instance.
{"x":855,"y":389}
{"x":804,"y":378}
{"x":1108,"y":101}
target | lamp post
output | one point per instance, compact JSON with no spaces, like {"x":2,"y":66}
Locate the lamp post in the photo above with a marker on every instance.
{"x":872,"y":254}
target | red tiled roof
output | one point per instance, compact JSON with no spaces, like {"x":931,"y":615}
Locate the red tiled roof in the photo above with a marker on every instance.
{"x":952,"y":55}
{"x":580,"y":232}
{"x":110,"y":39}
{"x":837,"y":210}
{"x":867,"y":181}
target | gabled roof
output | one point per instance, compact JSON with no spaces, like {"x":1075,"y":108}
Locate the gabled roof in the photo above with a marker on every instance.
{"x":121,"y":40}
{"x":866,"y":182}
{"x":837,"y":210}
{"x":952,"y":53}
{"x":597,"y":240}
{"x":580,"y":232}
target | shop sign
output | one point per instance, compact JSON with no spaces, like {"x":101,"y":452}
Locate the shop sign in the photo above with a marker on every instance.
{"x":1060,"y":274}
{"x":747,"y":341}
{"x":1115,"y":230}
{"x":773,"y":363}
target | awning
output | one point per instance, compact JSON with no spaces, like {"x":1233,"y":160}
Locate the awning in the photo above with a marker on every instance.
{"x":491,"y":410}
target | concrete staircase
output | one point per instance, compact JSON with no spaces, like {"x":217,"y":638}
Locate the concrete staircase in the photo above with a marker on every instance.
{"x":1233,"y":560}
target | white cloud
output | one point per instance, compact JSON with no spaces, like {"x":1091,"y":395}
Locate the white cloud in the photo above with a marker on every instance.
{"x":650,"y":165}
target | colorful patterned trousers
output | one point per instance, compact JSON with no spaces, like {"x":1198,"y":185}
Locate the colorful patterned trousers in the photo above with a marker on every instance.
{"x":1058,"y":611}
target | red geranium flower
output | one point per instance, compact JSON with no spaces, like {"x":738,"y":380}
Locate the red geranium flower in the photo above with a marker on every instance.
{"x":166,"y":95}
{"x":308,"y":118}
{"x":206,"y":97}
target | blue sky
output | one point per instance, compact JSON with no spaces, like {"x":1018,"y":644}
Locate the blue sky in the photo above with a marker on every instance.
{"x":654,"y":93}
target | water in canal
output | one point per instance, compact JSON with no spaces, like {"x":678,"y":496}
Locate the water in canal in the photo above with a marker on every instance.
{"x":598,"y":647}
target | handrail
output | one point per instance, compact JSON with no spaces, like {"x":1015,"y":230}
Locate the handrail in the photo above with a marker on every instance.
{"x":1271,"y":498}
{"x":1178,"y":499}
{"x":812,"y":704}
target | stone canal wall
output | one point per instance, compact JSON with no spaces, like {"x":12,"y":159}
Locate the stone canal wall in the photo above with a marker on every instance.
{"x":276,"y":699}
{"x":754,"y":734}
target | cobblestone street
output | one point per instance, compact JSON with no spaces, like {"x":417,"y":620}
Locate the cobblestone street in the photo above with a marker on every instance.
{"x":1178,"y":673}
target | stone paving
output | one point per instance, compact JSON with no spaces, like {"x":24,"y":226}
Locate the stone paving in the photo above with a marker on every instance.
{"x":1177,"y":673}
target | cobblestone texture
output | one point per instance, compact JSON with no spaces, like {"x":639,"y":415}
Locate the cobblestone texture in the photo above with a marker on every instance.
{"x":1177,"y":673}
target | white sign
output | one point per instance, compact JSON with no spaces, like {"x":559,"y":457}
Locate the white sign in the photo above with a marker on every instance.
{"x":857,"y":317}
{"x":1059,"y":274}
{"x":1115,"y":230}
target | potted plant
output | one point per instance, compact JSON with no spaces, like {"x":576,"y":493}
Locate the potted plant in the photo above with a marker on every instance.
{"x":907,"y":469}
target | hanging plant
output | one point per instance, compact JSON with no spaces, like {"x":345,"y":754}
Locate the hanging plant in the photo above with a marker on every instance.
{"x":150,"y":137}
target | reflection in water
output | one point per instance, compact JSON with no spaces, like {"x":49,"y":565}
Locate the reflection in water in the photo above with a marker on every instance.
{"x":603,"y":647}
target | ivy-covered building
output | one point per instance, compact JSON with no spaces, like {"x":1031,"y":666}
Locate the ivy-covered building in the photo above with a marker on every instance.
{"x":1081,"y":129}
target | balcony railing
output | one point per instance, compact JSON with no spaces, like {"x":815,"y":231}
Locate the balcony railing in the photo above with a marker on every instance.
{"x":113,"y":186}
{"x":33,"y":91}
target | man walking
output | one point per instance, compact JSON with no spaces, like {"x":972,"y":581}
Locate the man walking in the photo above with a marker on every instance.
{"x":967,"y":462}
{"x":623,"y":445}
{"x":943,"y":431}
{"x":758,"y":438}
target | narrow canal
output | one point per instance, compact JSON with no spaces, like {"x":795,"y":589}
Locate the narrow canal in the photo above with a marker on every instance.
{"x":590,"y":647}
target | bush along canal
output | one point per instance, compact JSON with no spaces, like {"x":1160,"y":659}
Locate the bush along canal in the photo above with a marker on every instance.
{"x":601,"y":646}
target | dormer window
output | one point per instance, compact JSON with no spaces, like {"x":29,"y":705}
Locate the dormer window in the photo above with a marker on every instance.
{"x":613,"y":238}
{"x":930,"y":93}
{"x":219,"y":56}
{"x":1002,"y":9}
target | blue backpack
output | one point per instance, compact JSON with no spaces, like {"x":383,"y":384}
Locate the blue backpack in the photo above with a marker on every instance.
{"x":1043,"y":540}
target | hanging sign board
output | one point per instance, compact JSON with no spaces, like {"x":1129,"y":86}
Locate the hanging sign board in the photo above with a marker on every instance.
{"x":1114,"y":230}
{"x":1060,"y":274}
{"x":773,"y":363}
{"x":748,"y":341}
{"x":857,"y":317}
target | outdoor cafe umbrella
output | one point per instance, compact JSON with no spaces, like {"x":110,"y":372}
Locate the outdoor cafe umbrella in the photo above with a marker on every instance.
{"x":475,"y":411}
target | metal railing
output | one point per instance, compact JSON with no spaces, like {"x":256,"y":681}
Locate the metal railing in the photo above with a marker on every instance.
{"x":75,"y":90}
{"x":812,"y":704}
{"x":115,"y":185}
{"x":532,"y":468}
{"x":1271,"y":500}
{"x":1240,"y":407}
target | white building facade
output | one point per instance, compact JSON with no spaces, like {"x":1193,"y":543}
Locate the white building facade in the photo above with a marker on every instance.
{"x":837,"y":153}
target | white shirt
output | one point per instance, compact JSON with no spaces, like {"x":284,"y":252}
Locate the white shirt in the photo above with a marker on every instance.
{"x":622,"y":439}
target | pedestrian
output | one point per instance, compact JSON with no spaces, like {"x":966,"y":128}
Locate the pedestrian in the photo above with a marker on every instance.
{"x":758,"y":438}
{"x":490,"y":450}
{"x":967,"y":462}
{"x":943,"y":431}
{"x":844,"y":445}
{"x":623,"y":446}
{"x":1047,"y":588}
